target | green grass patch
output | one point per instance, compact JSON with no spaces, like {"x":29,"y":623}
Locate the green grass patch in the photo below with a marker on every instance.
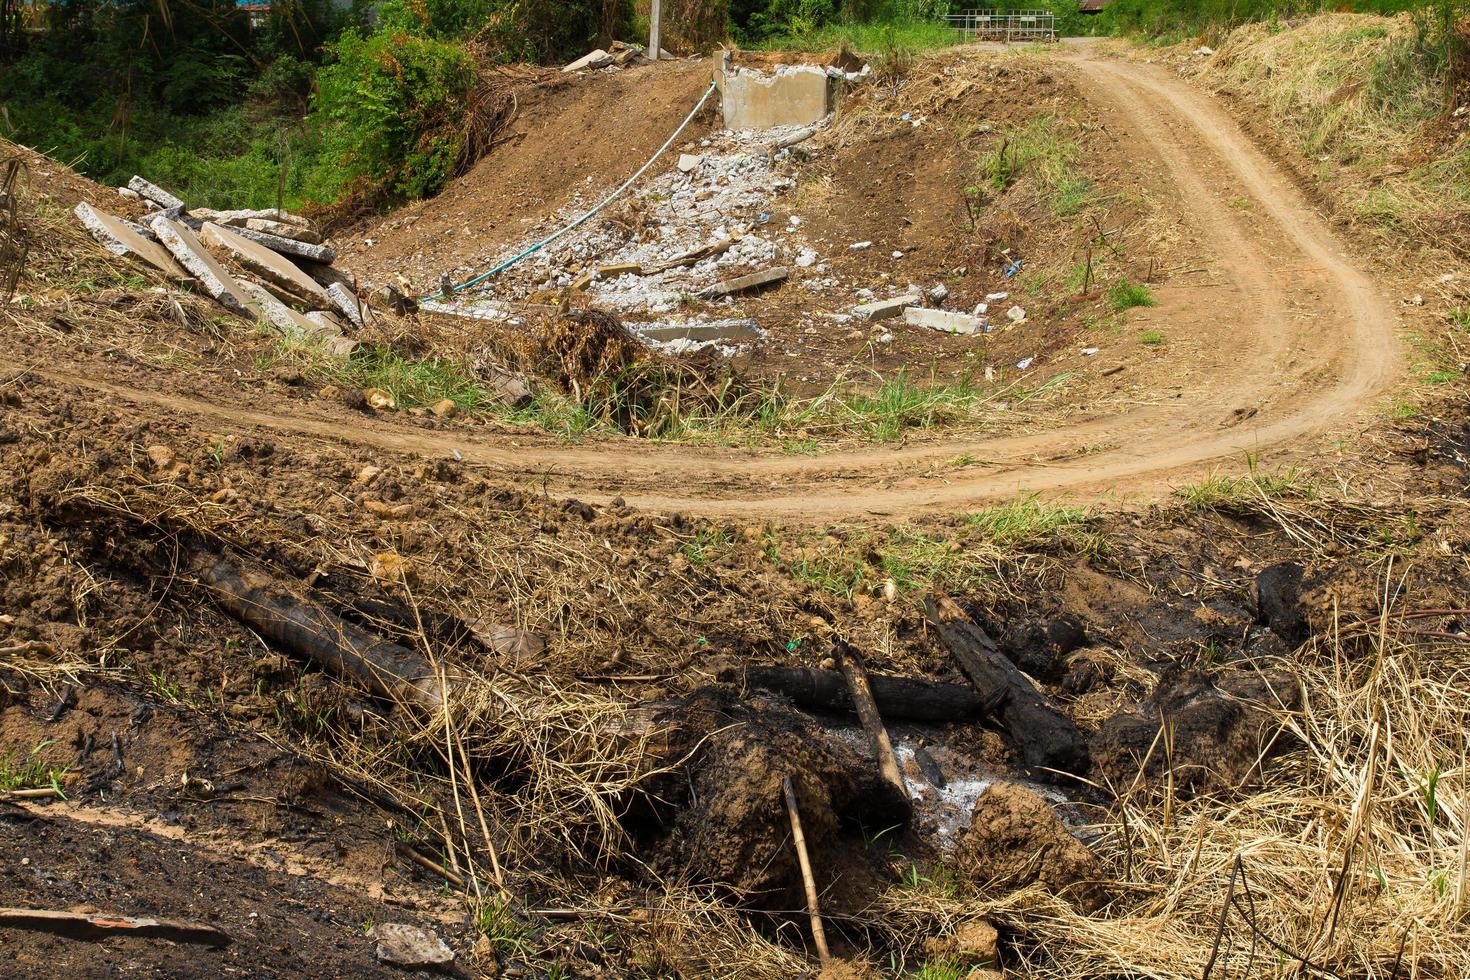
{"x":30,"y":772}
{"x":1220,"y":491}
{"x":1126,"y":295}
{"x":1044,"y":151}
{"x":1151,"y":338}
{"x":917,"y":34}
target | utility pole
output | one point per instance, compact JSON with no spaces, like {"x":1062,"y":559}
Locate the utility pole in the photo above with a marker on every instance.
{"x":655,"y":17}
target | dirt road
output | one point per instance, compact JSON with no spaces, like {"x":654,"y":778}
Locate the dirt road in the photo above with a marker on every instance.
{"x":1294,"y":342}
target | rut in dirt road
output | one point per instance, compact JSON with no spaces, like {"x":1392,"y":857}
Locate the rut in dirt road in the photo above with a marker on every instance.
{"x":1298,"y":342}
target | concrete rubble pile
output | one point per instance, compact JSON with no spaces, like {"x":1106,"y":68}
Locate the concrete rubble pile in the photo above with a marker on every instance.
{"x":266,"y":265}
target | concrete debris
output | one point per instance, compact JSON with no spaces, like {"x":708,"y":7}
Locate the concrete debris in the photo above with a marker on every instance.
{"x":328,"y":321}
{"x":289,"y":246}
{"x":289,"y":323}
{"x":299,"y":233}
{"x":597,"y":58}
{"x":1089,"y":351}
{"x":192,"y":255}
{"x":884,"y":308}
{"x":263,"y":262}
{"x":791,"y":139}
{"x":756,"y":280}
{"x":1203,"y":51}
{"x":154,"y":193}
{"x":689,"y":162}
{"x":123,"y":238}
{"x":129,"y":193}
{"x":1016,"y":315}
{"x":346,"y":301}
{"x":859,"y":246}
{"x":409,"y":946}
{"x":717,"y":330}
{"x":791,"y":95}
{"x":944,"y":320}
{"x":806,"y":258}
{"x":938,"y":294}
{"x":1024,"y":363}
{"x":996,"y":297}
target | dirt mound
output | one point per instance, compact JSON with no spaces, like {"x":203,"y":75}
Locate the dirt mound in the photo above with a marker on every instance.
{"x":574,"y":137}
{"x":733,"y":828}
{"x":1016,"y":839}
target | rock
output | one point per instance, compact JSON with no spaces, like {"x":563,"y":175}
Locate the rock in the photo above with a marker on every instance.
{"x":298,"y":233}
{"x":123,"y":238}
{"x":756,"y":280}
{"x":937,"y":294}
{"x":944,"y":320}
{"x":405,"y":945}
{"x":883,"y":309}
{"x":368,"y":474}
{"x":192,"y":255}
{"x":289,"y":246}
{"x":379,"y":399}
{"x":269,"y":265}
{"x":1015,"y":314}
{"x":444,"y":408}
{"x":154,"y":193}
{"x":860,"y":246}
{"x":1016,"y":839}
{"x":327,"y":320}
{"x":129,"y":193}
{"x":1221,"y":728}
{"x":689,"y":162}
{"x":162,"y":457}
{"x":596,"y":58}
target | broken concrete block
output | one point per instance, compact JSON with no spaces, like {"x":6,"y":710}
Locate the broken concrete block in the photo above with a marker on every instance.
{"x":689,"y":162}
{"x":791,"y":139}
{"x":120,"y":238}
{"x":289,"y":246}
{"x":409,"y":946}
{"x":791,"y":95}
{"x":238,"y":218}
{"x":327,"y":320}
{"x":346,"y":301}
{"x":596,"y":58}
{"x":286,"y":321}
{"x":944,"y":320}
{"x":755,"y":280}
{"x":263,"y":262}
{"x":882,"y":309}
{"x":185,"y":246}
{"x":128,"y":193}
{"x":154,"y":193}
{"x":299,"y":233}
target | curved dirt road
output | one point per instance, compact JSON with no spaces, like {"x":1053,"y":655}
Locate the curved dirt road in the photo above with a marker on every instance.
{"x":1294,"y":341}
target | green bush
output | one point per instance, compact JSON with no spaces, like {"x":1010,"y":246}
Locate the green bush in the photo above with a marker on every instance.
{"x":390,"y":108}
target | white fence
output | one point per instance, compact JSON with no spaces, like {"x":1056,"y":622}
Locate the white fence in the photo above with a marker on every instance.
{"x":1020,"y":27}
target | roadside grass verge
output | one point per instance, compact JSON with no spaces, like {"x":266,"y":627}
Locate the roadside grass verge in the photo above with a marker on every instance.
{"x":652,"y":401}
{"x":1219,"y":491}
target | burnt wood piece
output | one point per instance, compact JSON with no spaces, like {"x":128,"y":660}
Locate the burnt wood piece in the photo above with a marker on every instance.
{"x":906,"y":698}
{"x":1046,"y":737}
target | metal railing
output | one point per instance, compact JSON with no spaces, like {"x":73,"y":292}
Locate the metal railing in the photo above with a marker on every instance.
{"x":1018,"y":27}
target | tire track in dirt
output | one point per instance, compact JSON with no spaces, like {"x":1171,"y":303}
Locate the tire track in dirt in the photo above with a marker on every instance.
{"x":1296,"y":340}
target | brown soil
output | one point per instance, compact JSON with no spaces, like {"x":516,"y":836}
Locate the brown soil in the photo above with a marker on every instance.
{"x":1016,"y":839}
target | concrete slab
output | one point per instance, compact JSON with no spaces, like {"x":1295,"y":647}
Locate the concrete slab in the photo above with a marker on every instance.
{"x":154,"y":193}
{"x":730,"y":330}
{"x":238,"y":218}
{"x":120,"y":238}
{"x":791,"y":95}
{"x":263,"y":262}
{"x":596,"y":58}
{"x":328,"y":321}
{"x":883,"y":309}
{"x":944,"y":320}
{"x":755,"y":280}
{"x":190,"y":252}
{"x":285,"y":229}
{"x":288,"y":246}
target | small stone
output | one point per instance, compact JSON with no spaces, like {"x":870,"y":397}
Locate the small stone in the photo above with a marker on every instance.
{"x":161,"y":456}
{"x":368,"y":474}
{"x":1016,"y":315}
{"x":392,"y":512}
{"x":689,"y":162}
{"x":444,"y":408}
{"x":400,"y":944}
{"x":860,"y":246}
{"x":379,"y":399}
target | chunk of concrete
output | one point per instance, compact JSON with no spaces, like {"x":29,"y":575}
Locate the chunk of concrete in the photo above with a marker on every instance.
{"x":410,"y":947}
{"x":289,"y":246}
{"x":689,"y":162}
{"x":944,"y":320}
{"x":263,"y":262}
{"x":154,"y":193}
{"x":299,"y":233}
{"x":596,"y":58}
{"x":120,"y":238}
{"x":883,"y":309}
{"x":238,"y":218}
{"x":328,"y":321}
{"x":744,"y":284}
{"x":287,"y":322}
{"x":792,"y":95}
{"x":346,"y":301}
{"x":728,"y":330}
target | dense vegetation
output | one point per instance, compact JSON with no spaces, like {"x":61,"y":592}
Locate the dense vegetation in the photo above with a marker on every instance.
{"x":369,"y":102}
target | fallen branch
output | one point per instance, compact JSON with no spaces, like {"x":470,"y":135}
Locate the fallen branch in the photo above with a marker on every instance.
{"x":1047,"y":738}
{"x":290,"y":617}
{"x":814,"y":911}
{"x":909,"y":698}
{"x":80,"y":925}
{"x":45,"y":792}
{"x":867,"y":710}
